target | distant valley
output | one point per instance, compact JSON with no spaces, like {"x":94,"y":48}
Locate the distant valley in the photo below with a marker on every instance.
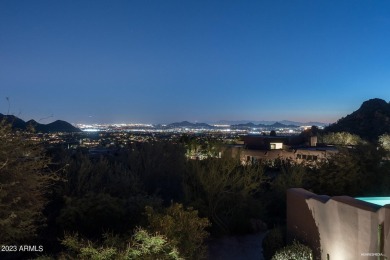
{"x":371,"y":120}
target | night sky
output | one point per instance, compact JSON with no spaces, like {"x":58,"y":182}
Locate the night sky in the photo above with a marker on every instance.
{"x":164,"y":61}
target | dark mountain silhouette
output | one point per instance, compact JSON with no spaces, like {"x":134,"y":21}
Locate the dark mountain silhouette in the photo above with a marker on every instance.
{"x":250,"y":124}
{"x":56,"y":126}
{"x":310,"y":123}
{"x":189,"y":125}
{"x":277,"y":124}
{"x":267,"y":123}
{"x":33,"y":123}
{"x":15,"y":121}
{"x":371,"y":120}
{"x":274,"y":125}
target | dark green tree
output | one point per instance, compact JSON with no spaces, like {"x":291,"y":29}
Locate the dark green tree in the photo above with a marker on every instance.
{"x":352,"y":171}
{"x":288,"y":176}
{"x":101,"y":194}
{"x":160,"y":167}
{"x":225,"y":192}
{"x":23,"y":179}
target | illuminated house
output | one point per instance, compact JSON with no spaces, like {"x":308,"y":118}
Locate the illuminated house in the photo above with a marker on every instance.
{"x":269,"y":148}
{"x":259,"y":142}
{"x":339,"y":227}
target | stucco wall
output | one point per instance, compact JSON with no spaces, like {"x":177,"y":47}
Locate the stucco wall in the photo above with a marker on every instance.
{"x":342,"y":227}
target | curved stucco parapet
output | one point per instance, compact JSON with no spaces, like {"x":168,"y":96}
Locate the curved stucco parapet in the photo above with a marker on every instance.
{"x":342,"y":227}
{"x":346,"y":231}
{"x":300,"y":223}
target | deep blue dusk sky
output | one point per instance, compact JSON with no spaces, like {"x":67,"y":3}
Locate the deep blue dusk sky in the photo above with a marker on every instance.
{"x":165,"y":61}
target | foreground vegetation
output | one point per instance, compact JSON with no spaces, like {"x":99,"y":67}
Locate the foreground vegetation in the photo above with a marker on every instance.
{"x":148,"y":201}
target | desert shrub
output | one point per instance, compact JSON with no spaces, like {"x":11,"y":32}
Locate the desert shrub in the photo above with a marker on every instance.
{"x":273,"y":242}
{"x":142,"y":245}
{"x":296,"y":251}
{"x":183,"y":227}
{"x":342,"y":138}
